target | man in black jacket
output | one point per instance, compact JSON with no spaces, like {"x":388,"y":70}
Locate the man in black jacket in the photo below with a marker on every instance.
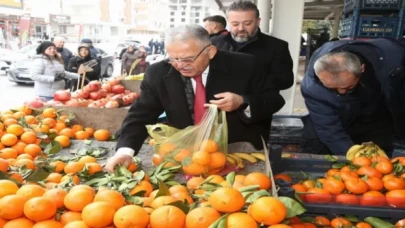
{"x":64,"y":52}
{"x":245,"y":36}
{"x":215,"y":25}
{"x":230,"y":80}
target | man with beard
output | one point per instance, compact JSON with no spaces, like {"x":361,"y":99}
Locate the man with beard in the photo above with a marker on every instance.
{"x":64,"y":52}
{"x":245,"y":36}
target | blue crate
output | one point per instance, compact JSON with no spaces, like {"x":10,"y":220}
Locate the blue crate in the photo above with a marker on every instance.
{"x":372,"y":5}
{"x":367,"y":26}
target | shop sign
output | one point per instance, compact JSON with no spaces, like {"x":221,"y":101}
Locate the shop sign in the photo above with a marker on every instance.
{"x":59,"y":19}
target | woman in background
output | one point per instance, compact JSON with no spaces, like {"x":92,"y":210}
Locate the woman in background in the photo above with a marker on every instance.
{"x":128,"y":59}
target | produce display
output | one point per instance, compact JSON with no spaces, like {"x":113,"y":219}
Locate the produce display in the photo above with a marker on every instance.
{"x":135,"y":77}
{"x":111,"y":94}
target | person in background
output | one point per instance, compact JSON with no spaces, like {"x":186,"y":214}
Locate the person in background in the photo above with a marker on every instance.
{"x":197,"y":73}
{"x":150,"y":44}
{"x":162,"y":47}
{"x":48,"y":72}
{"x":142,"y":64}
{"x":245,"y":37}
{"x":354,"y":92}
{"x":128,"y":59}
{"x":95,"y":52}
{"x":83,"y":56}
{"x":64,"y":52}
{"x":215,"y":25}
{"x":156,"y":45}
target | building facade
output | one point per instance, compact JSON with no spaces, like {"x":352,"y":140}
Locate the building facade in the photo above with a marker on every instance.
{"x":188,"y":11}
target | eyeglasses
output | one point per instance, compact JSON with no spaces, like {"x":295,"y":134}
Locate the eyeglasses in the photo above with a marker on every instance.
{"x":187,"y":60}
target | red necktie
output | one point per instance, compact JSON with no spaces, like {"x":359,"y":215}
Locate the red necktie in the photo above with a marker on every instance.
{"x":199,"y":99}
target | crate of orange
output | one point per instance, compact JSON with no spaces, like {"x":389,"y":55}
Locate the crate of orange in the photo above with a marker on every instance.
{"x":201,"y":149}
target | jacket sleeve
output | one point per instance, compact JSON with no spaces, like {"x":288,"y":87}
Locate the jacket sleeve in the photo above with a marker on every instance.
{"x":71,"y":75}
{"x":264,"y":98}
{"x":97,"y":70}
{"x":144,"y":111}
{"x":280,"y":71}
{"x":72,"y":66}
{"x":328,"y":126}
{"x":124,"y":61}
{"x":37,"y":72}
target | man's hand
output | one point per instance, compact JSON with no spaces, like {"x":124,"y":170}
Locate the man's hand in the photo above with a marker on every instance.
{"x":120,"y":159}
{"x":227,"y":101}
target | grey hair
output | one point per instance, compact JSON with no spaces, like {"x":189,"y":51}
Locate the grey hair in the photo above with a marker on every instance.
{"x":188,"y":32}
{"x":338,"y":62}
{"x":242,"y":5}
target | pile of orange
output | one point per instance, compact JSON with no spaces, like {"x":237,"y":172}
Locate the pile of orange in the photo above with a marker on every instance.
{"x":205,"y":161}
{"x":366,"y":182}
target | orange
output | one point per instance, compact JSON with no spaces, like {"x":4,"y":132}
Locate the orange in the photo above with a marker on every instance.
{"x":15,"y":129}
{"x":396,"y":198}
{"x":24,"y":156}
{"x":98,"y":214}
{"x":54,"y":178}
{"x":201,"y":158}
{"x":83,"y":187}
{"x":133,"y":167}
{"x":59,"y":126}
{"x":114,"y":198}
{"x":182,"y":196}
{"x":67,"y":132}
{"x":194,"y":182}
{"x":12,"y":206}
{"x":33,"y":150}
{"x":39,"y":208}
{"x":18,"y":115}
{"x":56,"y":194}
{"x":90,"y":131}
{"x":48,"y":224}
{"x":77,"y":127}
{"x":283,"y":176}
{"x":268,"y":210}
{"x":49,"y":122}
{"x":20,"y":223}
{"x":49,"y":113}
{"x":361,"y":161}
{"x":59,"y":166}
{"x":374,"y":184}
{"x":177,"y":189}
{"x":78,"y":199}
{"x":279,"y":226}
{"x":7,"y":153}
{"x":131,"y":216}
{"x":8,"y":139}
{"x":42,"y":129}
{"x":93,"y":168}
{"x":181,"y":155}
{"x":226,"y":200}
{"x":30,"y":119}
{"x":217,"y":160}
{"x":195,"y":169}
{"x":167,"y":216}
{"x":9,"y":122}
{"x":240,"y":219}
{"x":142,"y":186}
{"x":81,"y":135}
{"x":166,"y":148}
{"x":31,"y":191}
{"x":202,"y":217}
{"x":76,"y":224}
{"x":257,"y":178}
{"x":340,"y":222}
{"x":369,"y":171}
{"x":162,"y":200}
{"x":73,"y":167}
{"x":11,"y":161}
{"x":384,"y":167}
{"x":373,"y":199}
{"x":334,"y":186}
{"x":70,"y":216}
{"x":363,"y":225}
{"x":101,"y":135}
{"x":63,"y":140}
{"x":28,"y":163}
{"x":3,"y":165}
{"x":209,"y":146}
{"x":70,"y":177}
{"x":356,"y":185}
{"x":1,"y":126}
{"x":322,"y":221}
{"x":16,"y":176}
{"x":87,"y":159}
{"x":1,"y":145}
{"x":216,"y":179}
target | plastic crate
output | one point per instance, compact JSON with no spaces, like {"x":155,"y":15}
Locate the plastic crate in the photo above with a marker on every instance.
{"x":372,"y":5}
{"x":371,"y":26}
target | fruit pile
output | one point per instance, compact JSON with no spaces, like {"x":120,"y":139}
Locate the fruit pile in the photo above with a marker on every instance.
{"x":94,"y":95}
{"x":368,"y":179}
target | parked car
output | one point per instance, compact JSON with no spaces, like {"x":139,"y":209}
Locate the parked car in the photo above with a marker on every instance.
{"x":18,"y":71}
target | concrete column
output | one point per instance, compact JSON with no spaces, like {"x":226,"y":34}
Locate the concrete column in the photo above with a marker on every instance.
{"x":264,"y":7}
{"x":336,"y":23}
{"x":287,"y":20}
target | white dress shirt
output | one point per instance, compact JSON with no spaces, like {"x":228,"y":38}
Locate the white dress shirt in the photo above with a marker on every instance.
{"x":131,"y":152}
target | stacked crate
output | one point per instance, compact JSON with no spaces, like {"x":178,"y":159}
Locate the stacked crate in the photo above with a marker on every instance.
{"x":373,"y":19}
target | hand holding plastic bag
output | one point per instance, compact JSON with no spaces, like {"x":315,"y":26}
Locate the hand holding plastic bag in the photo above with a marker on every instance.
{"x":201,"y":149}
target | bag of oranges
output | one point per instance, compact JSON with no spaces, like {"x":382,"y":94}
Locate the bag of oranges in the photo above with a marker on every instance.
{"x":201,"y":149}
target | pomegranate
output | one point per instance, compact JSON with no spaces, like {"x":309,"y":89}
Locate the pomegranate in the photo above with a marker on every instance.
{"x":62,"y":95}
{"x":95,"y":104}
{"x":83,"y":94}
{"x":134,"y":95}
{"x":95,"y":95}
{"x":127,"y":92}
{"x":72,"y":103}
{"x":113,"y":82}
{"x":103,"y":101}
{"x":117,"y":89}
{"x":118,"y":99}
{"x":112,"y":104}
{"x":127,"y":100}
{"x":83,"y":102}
{"x":94,"y":86}
{"x":107,"y":87}
{"x":36,"y":103}
{"x":55,"y":103}
{"x":86,"y":88}
{"x":103,"y":92}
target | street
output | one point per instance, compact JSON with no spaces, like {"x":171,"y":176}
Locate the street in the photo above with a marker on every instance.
{"x":13,"y":95}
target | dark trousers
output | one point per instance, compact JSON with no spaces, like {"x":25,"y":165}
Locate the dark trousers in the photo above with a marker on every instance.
{"x":380,"y":132}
